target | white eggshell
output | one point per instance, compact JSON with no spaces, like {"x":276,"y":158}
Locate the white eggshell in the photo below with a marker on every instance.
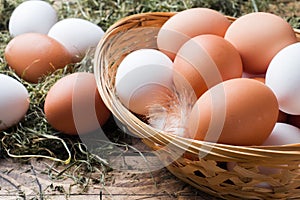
{"x":142,"y":77}
{"x":32,"y":16}
{"x":283,"y":134}
{"x":77,"y":35}
{"x":283,"y":77}
{"x":231,"y":165}
{"x":14,"y":101}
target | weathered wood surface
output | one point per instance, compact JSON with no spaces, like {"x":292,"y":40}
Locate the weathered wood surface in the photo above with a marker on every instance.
{"x":32,"y":181}
{"x":137,"y":174}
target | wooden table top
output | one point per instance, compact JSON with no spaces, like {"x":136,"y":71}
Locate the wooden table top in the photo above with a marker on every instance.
{"x":31,"y":180}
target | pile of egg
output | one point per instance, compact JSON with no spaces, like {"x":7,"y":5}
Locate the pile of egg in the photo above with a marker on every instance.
{"x":243,"y":76}
{"x":40,"y":45}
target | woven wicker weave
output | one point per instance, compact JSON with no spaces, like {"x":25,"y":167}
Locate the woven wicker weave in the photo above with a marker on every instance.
{"x":208,"y":173}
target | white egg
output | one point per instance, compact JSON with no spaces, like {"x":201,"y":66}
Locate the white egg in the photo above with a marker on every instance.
{"x":144,"y":78}
{"x":32,"y":16}
{"x":283,"y":134}
{"x":14,"y":101}
{"x":231,"y":165}
{"x":283,"y":77}
{"x":77,"y":35}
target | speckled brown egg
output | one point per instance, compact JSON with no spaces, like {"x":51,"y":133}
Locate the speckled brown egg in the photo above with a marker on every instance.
{"x":73,"y":105}
{"x":239,"y":111}
{"x":33,"y":55}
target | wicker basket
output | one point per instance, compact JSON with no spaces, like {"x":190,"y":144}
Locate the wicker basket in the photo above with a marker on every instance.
{"x":181,"y":155}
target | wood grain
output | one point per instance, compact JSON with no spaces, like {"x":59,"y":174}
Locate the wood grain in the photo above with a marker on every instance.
{"x":31,"y":181}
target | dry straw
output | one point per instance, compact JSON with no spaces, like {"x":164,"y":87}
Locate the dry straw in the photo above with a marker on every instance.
{"x":181,"y":155}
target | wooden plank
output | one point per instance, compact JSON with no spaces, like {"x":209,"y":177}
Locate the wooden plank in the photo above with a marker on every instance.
{"x":30,"y":180}
{"x":137,"y":174}
{"x":133,"y":177}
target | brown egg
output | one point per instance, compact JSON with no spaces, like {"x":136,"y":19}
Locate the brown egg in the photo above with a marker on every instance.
{"x":239,"y":111}
{"x":33,"y":55}
{"x":187,"y":24}
{"x":282,"y":116}
{"x":205,"y":61}
{"x":259,"y":37}
{"x":74,"y":106}
{"x":261,"y":79}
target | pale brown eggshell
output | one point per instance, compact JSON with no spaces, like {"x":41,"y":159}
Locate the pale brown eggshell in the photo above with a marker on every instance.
{"x":249,"y":115}
{"x":259,"y":37}
{"x":187,"y":24}
{"x":205,"y":61}
{"x":33,"y":55}
{"x":282,"y":116}
{"x":73,"y":105}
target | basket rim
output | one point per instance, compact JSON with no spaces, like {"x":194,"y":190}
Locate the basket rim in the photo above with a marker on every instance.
{"x":138,"y":16}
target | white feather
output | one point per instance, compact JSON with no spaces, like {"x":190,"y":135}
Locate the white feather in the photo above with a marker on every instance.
{"x":172,"y":115}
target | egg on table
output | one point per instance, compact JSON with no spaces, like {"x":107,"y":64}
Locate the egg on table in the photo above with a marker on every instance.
{"x":32,"y":16}
{"x":77,"y":35}
{"x":14,"y":101}
{"x":34,"y":55}
{"x":73,"y":105}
